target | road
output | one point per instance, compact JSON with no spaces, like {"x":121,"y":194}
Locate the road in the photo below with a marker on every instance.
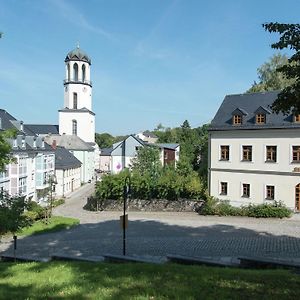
{"x":160,"y":233}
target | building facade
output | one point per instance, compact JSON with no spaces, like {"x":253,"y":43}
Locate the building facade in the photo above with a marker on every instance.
{"x":254,"y":153}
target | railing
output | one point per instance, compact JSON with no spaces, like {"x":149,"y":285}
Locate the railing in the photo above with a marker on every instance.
{"x":77,"y":80}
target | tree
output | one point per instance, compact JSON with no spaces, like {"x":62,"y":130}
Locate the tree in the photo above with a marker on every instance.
{"x":288,"y":100}
{"x":104,"y":140}
{"x":147,"y":161}
{"x":12,"y":216}
{"x":5,"y":148}
{"x":270,"y":78}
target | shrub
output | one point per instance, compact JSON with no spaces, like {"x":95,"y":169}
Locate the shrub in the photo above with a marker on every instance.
{"x":213,"y":206}
{"x":58,"y":202}
{"x":37,"y":209}
{"x":275,"y":210}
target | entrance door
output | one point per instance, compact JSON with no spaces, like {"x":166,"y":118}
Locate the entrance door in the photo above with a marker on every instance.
{"x":297,"y":197}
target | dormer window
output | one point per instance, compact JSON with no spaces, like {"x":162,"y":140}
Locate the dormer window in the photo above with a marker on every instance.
{"x":237,"y":120}
{"x":237,"y":116}
{"x":260,"y":119}
{"x":297,"y":118}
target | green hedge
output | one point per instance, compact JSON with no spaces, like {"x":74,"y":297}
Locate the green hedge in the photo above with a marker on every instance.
{"x":168,"y":184}
{"x":213,"y":206}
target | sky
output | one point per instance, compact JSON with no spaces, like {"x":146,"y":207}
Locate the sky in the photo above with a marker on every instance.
{"x":153,"y":61}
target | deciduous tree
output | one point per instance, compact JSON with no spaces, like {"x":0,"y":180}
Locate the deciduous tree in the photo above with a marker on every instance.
{"x":288,"y":99}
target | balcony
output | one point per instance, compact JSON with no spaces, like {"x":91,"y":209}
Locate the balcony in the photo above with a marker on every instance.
{"x":78,"y":81}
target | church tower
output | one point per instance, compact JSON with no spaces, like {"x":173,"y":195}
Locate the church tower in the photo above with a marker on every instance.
{"x":77,"y":117}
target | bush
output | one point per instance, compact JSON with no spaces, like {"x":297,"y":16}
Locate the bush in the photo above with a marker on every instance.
{"x":213,"y":206}
{"x":276,"y":210}
{"x":58,"y":202}
{"x":37,"y":209}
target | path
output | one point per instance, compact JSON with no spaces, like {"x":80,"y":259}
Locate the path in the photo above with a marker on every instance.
{"x":162,"y":233}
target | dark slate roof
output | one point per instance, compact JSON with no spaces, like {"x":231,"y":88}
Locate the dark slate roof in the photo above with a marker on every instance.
{"x":106,"y":151}
{"x":148,"y":133}
{"x":43,"y":129}
{"x":250,"y":104}
{"x":78,"y":54}
{"x":168,"y":146}
{"x":70,"y":142}
{"x":65,"y":160}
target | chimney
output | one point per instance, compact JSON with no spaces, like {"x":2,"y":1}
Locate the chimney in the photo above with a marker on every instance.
{"x":54,"y":144}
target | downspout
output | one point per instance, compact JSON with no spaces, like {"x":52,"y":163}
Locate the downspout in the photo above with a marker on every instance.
{"x":209,"y":163}
{"x":123,"y":154}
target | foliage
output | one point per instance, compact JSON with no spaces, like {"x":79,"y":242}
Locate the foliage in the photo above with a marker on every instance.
{"x":55,"y":223}
{"x":276,"y":210}
{"x":147,"y":161}
{"x":35,"y":209}
{"x":193,"y":146}
{"x":82,"y":280}
{"x":58,"y":202}
{"x":104,"y":140}
{"x":270,"y":78}
{"x":168,"y":184}
{"x":111,"y":186}
{"x":5,"y":148}
{"x":12,"y":216}
{"x":213,"y":206}
{"x":288,"y":99}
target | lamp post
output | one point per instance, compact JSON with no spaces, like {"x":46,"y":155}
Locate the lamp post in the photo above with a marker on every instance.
{"x":125,"y":216}
{"x":52,"y":182}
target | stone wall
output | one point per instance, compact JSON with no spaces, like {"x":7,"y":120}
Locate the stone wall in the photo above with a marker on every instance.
{"x":145,"y":205}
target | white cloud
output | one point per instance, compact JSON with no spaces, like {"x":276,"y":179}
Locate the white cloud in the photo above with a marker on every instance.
{"x":72,"y":15}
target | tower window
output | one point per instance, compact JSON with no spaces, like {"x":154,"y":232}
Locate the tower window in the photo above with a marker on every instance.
{"x":74,"y":127}
{"x":75,"y":69}
{"x":83,"y":73}
{"x":68,"y":72}
{"x":75,"y":100}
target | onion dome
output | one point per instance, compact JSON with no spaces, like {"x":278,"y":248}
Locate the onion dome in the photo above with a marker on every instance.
{"x":78,"y":54}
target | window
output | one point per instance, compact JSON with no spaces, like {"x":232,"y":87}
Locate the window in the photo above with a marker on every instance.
{"x":74,"y":127}
{"x":270,"y":191}
{"x":68,"y":72}
{"x":260,"y":119}
{"x":237,"y":120}
{"x":75,"y":100}
{"x":296,"y":153}
{"x":224,"y":153}
{"x":271,"y":153}
{"x":83,"y":73}
{"x":247,"y":153}
{"x":223,"y":188}
{"x":297,"y":118}
{"x":75,"y":70}
{"x":246,"y":190}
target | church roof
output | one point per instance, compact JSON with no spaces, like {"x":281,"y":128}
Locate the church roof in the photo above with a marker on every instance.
{"x":70,"y":142}
{"x":78,"y":54}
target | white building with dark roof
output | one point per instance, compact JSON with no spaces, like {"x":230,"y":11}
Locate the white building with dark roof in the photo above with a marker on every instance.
{"x":254,"y":153}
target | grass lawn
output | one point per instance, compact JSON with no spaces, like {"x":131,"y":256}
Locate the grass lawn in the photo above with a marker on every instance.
{"x":55,"y":224}
{"x":70,"y":280}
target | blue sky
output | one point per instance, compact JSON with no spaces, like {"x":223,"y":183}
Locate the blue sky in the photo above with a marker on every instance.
{"x":153,"y":61}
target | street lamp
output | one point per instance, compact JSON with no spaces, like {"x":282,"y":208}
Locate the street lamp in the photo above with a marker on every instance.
{"x":52,"y":183}
{"x":125,"y":216}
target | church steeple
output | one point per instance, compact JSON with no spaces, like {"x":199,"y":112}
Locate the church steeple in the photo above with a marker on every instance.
{"x":77,"y":97}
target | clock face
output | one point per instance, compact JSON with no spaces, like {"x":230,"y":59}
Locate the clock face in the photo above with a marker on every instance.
{"x":84,"y":89}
